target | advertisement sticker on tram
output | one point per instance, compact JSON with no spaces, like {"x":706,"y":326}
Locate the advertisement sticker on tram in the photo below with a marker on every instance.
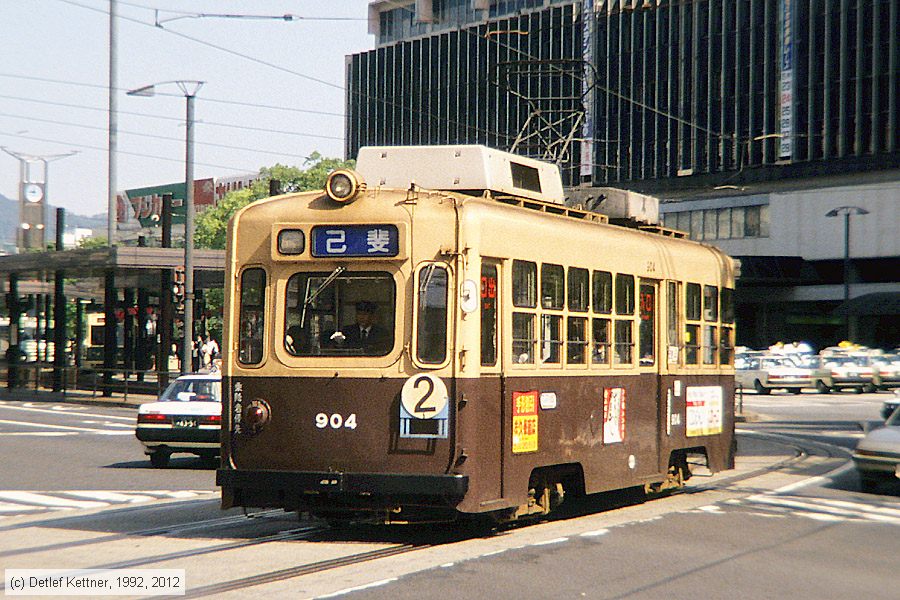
{"x":613,"y":415}
{"x":525,"y":422}
{"x":424,"y":407}
{"x":704,"y":410}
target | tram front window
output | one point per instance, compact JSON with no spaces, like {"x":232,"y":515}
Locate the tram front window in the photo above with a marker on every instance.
{"x":339,"y":314}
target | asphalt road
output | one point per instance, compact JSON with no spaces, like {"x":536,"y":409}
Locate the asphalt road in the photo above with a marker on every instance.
{"x":790,"y":521}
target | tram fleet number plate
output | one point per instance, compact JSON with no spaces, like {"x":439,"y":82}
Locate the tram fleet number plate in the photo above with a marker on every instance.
{"x":355,"y":240}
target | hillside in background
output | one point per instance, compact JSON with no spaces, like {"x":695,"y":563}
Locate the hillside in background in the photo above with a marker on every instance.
{"x":9,"y":221}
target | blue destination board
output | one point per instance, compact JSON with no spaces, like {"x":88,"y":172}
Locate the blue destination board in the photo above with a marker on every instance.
{"x":355,"y":240}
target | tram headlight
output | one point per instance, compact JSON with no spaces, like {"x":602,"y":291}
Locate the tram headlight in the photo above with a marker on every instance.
{"x":344,"y":185}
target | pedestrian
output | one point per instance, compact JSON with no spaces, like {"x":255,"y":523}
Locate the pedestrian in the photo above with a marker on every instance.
{"x":210,"y":350}
{"x":195,"y":354}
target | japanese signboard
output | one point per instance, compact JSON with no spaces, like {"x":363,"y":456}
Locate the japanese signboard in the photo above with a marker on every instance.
{"x":145,"y":204}
{"x":355,"y":240}
{"x":704,"y":410}
{"x":525,"y":422}
{"x":613,"y":415}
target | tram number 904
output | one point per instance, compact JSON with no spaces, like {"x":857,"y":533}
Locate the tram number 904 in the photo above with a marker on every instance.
{"x":335,"y":421}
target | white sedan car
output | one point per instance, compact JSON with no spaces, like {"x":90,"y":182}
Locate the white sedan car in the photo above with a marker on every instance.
{"x":186,"y":418}
{"x":877,"y":456}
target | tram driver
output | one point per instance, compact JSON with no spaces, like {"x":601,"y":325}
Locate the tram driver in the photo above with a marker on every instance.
{"x":365,"y":334}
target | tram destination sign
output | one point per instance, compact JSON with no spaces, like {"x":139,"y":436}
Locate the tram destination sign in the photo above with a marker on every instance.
{"x":355,"y":240}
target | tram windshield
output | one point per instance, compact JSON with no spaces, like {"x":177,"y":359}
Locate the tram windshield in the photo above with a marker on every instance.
{"x":339,"y":314}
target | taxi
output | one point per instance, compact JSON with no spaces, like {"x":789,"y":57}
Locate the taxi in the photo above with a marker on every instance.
{"x":840,"y":370}
{"x":187,"y":417}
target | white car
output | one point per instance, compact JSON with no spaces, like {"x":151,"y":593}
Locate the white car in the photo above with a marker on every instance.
{"x":767,"y":373}
{"x":877,"y":456}
{"x":186,"y":418}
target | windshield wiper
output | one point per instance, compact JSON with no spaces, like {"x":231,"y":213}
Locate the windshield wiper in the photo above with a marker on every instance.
{"x":321,"y":288}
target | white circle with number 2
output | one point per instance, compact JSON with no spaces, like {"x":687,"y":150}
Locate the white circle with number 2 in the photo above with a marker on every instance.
{"x":424,"y":396}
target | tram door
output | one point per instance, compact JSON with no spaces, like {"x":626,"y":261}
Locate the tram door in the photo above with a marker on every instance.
{"x":649,"y":356}
{"x":490,"y":427}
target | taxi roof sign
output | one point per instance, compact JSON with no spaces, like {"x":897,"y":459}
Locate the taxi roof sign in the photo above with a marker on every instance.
{"x":466,"y":168}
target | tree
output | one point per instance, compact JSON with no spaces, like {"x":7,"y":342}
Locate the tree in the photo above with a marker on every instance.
{"x":92,"y":242}
{"x":212,"y":224}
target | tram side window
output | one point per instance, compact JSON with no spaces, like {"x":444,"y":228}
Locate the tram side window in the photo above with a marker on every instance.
{"x":600,"y":333}
{"x":431,"y":329}
{"x":602,"y":292}
{"x":624,"y":328}
{"x":576,"y":332}
{"x":488,"y":315}
{"x":624,"y":294}
{"x":553,"y":287}
{"x":691,"y":344}
{"x":710,"y":303}
{"x":727,"y":300}
{"x":524,"y":284}
{"x":578,"y":289}
{"x":252,"y":316}
{"x":551,"y":339}
{"x":672,"y":318}
{"x":624,"y":342}
{"x":692,"y":302}
{"x":726,"y":346}
{"x":710,"y":349}
{"x":523,"y":338}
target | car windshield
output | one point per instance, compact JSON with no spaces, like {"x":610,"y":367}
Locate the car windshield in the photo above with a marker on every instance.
{"x":193,"y":390}
{"x":894,"y":419}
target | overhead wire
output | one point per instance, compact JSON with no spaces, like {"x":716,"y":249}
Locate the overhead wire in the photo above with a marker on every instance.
{"x":156,"y":136}
{"x":173,"y":119}
{"x":140,"y":154}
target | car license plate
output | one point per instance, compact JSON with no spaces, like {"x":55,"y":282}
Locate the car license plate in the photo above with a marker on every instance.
{"x":185,"y":423}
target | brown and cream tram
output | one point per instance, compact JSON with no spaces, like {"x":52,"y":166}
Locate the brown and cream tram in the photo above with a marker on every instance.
{"x":436,"y":333}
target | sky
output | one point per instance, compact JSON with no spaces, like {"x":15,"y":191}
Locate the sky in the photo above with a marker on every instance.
{"x":273,"y":91}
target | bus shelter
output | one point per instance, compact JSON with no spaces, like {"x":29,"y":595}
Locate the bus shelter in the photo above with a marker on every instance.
{"x":81,"y":292}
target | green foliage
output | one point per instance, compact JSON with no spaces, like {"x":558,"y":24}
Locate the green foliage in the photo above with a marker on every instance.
{"x":212,"y":224}
{"x":93,"y":242}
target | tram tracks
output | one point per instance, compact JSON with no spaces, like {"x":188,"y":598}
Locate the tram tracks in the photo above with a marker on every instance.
{"x":802,"y":450}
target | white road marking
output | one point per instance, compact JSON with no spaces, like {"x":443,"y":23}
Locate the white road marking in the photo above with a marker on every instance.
{"x":38,"y":433}
{"x":110,"y":496}
{"x":66,"y":427}
{"x":29,"y":408}
{"x":553,"y":541}
{"x":359,"y":587}
{"x":595,"y":533}
{"x":33,"y":498}
{"x":18,"y":508}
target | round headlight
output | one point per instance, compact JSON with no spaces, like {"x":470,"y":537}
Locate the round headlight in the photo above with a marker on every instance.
{"x":344,"y":185}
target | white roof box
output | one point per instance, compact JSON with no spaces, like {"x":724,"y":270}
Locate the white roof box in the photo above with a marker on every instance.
{"x":464,"y":168}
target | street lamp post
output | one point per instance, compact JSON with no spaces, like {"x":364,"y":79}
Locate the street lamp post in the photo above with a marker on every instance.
{"x":846,"y":211}
{"x":189,"y":89}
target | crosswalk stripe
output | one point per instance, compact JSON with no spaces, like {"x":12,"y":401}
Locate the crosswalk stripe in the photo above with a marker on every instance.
{"x":48,"y":425}
{"x":111,"y":496}
{"x":28,"y":408}
{"x":50,"y":501}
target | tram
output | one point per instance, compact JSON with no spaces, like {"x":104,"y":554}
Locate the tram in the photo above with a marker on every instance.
{"x":436,"y":334}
